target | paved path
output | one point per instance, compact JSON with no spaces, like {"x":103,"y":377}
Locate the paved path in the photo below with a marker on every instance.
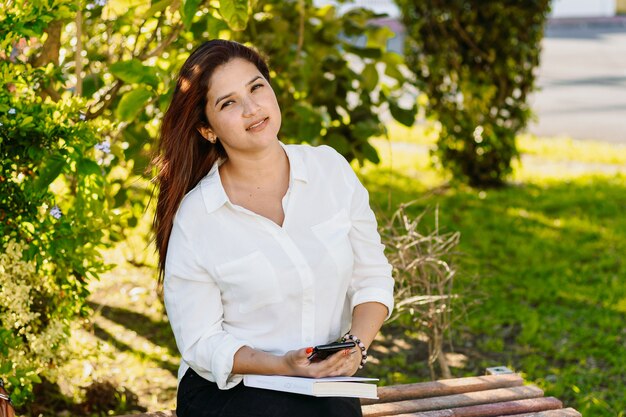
{"x":583,"y":81}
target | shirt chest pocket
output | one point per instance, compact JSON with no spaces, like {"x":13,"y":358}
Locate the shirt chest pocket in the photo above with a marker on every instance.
{"x":249,"y":283}
{"x":333,"y":234}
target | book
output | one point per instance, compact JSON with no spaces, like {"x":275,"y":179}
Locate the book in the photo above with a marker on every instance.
{"x":341,"y":386}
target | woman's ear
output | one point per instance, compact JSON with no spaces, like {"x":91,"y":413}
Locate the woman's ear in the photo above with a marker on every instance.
{"x":208,"y":134}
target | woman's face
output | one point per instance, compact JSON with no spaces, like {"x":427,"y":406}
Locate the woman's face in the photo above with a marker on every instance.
{"x":241,"y":108}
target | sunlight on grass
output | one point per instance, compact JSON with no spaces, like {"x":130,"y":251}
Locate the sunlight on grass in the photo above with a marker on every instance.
{"x":543,"y":159}
{"x":548,"y":148}
{"x":421,"y":134}
{"x":568,"y":149}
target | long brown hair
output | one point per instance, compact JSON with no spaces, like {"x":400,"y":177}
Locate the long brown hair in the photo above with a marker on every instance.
{"x":184,"y":156}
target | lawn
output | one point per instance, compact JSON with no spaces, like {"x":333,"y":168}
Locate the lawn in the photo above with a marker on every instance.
{"x":541,"y":265}
{"x":540,"y":271}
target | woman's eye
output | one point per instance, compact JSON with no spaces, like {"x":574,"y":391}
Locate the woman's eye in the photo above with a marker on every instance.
{"x":226,"y":103}
{"x":256,"y":86}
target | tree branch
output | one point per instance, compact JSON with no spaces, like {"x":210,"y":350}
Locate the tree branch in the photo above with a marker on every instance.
{"x":468,"y":40}
{"x":50,"y":54}
{"x":302,"y":5}
{"x":52,"y":45}
{"x":167,"y":42}
{"x":112,"y":93}
{"x":79,"y":49}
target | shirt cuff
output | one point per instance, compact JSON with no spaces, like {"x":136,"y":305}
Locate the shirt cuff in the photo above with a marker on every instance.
{"x":377,"y":295}
{"x":222,"y":364}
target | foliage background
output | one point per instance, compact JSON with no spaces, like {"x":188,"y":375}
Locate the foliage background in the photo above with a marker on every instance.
{"x":94,"y":77}
{"x":85,"y":84}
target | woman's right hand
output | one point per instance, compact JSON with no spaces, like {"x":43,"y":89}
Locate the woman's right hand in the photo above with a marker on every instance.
{"x":340,"y":363}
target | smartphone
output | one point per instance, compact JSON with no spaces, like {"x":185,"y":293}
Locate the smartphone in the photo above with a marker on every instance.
{"x":321,"y":352}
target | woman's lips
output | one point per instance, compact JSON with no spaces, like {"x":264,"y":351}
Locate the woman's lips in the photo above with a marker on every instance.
{"x":260,"y":125}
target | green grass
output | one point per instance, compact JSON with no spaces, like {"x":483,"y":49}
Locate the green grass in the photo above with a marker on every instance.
{"x":541,"y":266}
{"x":541,"y":269}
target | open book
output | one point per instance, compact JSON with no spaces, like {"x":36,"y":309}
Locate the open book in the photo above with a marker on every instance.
{"x":341,"y":386}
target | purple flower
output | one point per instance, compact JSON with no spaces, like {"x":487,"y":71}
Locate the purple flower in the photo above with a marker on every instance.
{"x":56,"y":212}
{"x":12,"y":111}
{"x":104,"y":147}
{"x":100,"y":2}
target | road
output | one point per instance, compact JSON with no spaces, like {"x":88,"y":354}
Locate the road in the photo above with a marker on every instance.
{"x":582,"y":78}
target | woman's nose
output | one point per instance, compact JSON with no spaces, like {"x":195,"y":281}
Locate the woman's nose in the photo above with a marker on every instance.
{"x":250,"y":107}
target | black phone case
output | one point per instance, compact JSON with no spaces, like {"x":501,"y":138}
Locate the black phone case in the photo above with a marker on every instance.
{"x":321,"y":352}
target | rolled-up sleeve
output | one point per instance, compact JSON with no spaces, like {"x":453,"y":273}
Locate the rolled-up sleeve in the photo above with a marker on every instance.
{"x":371,"y":280}
{"x":194,"y":309}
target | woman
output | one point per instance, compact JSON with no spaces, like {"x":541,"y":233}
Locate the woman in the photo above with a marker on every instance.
{"x":265,"y":249}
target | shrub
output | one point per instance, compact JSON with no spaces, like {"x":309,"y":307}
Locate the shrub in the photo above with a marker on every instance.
{"x":475,"y":61}
{"x":53,"y":214}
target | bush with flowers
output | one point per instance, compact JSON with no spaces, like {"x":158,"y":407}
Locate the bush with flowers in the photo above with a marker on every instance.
{"x":53,"y":219}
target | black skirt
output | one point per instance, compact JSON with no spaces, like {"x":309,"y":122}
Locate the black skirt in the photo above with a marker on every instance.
{"x":198,"y":397}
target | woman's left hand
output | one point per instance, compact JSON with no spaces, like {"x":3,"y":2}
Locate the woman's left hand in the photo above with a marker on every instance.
{"x":346,"y":362}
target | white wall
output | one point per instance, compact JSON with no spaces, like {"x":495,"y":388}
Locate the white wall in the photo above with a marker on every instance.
{"x":583,"y":8}
{"x":378,"y":6}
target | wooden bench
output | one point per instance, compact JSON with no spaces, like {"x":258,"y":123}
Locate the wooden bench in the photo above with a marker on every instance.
{"x":484,"y":396}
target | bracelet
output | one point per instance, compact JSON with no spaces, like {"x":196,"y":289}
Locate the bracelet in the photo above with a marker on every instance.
{"x":360,"y":344}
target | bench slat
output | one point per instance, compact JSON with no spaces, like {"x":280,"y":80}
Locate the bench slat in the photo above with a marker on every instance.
{"x":453,"y":401}
{"x":170,"y":413}
{"x":444,"y":387}
{"x":508,"y":408}
{"x":564,"y":412}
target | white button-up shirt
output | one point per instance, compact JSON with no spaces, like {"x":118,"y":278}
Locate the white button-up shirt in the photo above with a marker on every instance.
{"x":235,"y":278}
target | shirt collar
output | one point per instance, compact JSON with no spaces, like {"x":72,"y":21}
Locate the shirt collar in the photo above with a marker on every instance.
{"x":297,"y":168}
{"x":213,"y":192}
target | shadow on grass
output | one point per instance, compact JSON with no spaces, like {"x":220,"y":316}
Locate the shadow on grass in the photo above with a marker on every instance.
{"x":157,"y":332}
{"x":105,"y":336}
{"x":549,"y":257}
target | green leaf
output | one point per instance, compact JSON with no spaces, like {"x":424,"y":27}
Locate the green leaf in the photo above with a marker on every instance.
{"x":159,"y":6}
{"x":378,"y":37}
{"x":214,"y":26}
{"x":374,"y":53}
{"x":49,"y":172}
{"x":189,"y":10}
{"x":91,"y":84}
{"x":134,"y":71}
{"x":338,"y":142}
{"x":26,"y":121}
{"x":34,"y":378}
{"x":6,"y":367}
{"x":393,"y":58}
{"x":120,"y":198}
{"x":369,"y":76}
{"x":404,"y":116}
{"x":88,"y":167}
{"x":132,"y":103}
{"x":117,"y":8}
{"x":393,"y":72}
{"x":370,"y":153}
{"x":309,"y":122}
{"x":235,"y":13}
